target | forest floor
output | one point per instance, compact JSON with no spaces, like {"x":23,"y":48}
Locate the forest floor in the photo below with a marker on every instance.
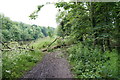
{"x":53,"y":65}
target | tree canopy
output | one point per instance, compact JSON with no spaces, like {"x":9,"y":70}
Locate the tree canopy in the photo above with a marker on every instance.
{"x":98,"y":22}
{"x":16,"y":31}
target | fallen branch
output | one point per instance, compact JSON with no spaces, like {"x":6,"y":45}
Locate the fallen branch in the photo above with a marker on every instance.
{"x":53,"y":42}
{"x":16,"y":49}
{"x":54,"y":47}
{"x":7,"y":49}
{"x":43,"y":50}
{"x":5,"y":45}
{"x":26,"y":48}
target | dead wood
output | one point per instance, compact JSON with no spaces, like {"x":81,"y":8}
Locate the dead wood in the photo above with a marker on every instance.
{"x":53,"y":42}
{"x":5,"y":45}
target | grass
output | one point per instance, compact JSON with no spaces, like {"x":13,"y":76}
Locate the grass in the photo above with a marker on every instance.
{"x":42,"y":43}
{"x":17,"y":62}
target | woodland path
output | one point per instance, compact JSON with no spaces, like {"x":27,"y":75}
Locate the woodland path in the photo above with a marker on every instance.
{"x":53,"y":65}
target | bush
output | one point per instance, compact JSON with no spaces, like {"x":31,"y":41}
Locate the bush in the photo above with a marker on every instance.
{"x":69,"y":40}
{"x":93,"y":63}
{"x":60,"y":42}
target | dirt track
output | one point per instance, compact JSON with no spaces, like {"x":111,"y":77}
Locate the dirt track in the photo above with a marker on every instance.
{"x":52,"y":66}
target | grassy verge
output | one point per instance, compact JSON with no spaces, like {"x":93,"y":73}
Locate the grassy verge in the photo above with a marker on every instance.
{"x":17,"y":62}
{"x":93,"y":63}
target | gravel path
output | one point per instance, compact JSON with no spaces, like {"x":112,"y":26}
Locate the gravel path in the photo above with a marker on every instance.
{"x":52,"y":66}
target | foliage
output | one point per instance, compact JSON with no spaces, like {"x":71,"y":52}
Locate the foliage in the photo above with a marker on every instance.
{"x":92,"y":30}
{"x":34,"y":15}
{"x":50,"y":31}
{"x":16,"y":31}
{"x":97,"y":21}
{"x":42,"y":43}
{"x":93,"y":63}
{"x":96,"y":25}
{"x":17,"y":62}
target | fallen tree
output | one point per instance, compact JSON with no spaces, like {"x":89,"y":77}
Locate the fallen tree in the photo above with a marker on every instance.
{"x":10,"y":49}
{"x":54,"y":47}
{"x":17,"y":49}
{"x":53,"y":41}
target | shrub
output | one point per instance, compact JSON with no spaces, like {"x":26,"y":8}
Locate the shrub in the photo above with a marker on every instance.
{"x":93,"y":63}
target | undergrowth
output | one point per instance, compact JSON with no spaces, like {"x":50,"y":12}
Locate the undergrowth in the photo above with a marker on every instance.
{"x":93,"y":63}
{"x":17,"y":62}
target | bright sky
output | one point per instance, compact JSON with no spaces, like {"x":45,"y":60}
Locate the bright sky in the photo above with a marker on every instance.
{"x":19,"y":10}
